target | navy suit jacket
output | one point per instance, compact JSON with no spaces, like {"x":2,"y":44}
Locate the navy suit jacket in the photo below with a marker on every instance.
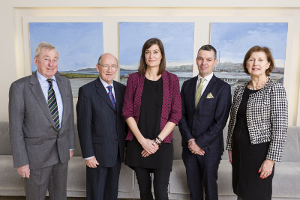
{"x":206,"y":123}
{"x":101,"y":128}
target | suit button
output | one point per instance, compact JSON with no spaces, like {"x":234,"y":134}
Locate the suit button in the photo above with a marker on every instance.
{"x":195,"y":116}
{"x":193,"y":130}
{"x":116,"y":139}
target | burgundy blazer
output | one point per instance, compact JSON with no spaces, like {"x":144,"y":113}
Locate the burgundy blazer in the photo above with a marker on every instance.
{"x":171,"y":107}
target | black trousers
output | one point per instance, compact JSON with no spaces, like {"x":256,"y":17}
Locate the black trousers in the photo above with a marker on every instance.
{"x":102,"y":182}
{"x":160,"y":182}
{"x":201,"y":171}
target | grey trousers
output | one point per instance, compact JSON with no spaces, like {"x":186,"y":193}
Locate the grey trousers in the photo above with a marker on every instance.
{"x":53,"y":177}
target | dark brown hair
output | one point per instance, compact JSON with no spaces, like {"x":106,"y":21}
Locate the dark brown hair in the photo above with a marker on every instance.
{"x":208,"y":47}
{"x":268,"y":53}
{"x":143,"y":66}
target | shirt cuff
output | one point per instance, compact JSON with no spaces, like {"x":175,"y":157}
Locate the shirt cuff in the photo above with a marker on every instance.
{"x":89,"y":157}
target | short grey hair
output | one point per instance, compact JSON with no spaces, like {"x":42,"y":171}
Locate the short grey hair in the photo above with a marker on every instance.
{"x":100,"y":58}
{"x":45,"y":45}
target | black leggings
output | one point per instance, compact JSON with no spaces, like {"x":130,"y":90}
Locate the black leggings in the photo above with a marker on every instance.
{"x":160,"y":182}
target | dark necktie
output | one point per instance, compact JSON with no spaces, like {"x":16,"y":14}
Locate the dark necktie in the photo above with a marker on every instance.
{"x":52,"y":104}
{"x":111,"y":96}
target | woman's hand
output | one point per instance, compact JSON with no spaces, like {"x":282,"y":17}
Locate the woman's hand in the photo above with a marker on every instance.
{"x":230,"y":156}
{"x":149,"y":146}
{"x":145,"y":153}
{"x":266,"y":168}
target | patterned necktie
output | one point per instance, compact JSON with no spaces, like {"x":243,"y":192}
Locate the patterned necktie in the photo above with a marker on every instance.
{"x":199,"y":92}
{"x":52,"y":104}
{"x":111,"y":96}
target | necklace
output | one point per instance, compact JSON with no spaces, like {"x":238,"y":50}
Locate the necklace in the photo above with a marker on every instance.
{"x":259,"y":86}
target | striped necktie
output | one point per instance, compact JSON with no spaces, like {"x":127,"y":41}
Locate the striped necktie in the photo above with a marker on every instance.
{"x":199,"y":92}
{"x":111,"y":96}
{"x":52,"y":104}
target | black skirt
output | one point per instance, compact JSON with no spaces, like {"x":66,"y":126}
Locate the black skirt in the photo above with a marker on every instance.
{"x":149,"y":126}
{"x":247,"y":159}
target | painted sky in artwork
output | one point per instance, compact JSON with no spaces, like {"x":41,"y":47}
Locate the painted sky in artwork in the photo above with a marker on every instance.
{"x":79,"y":44}
{"x":233,"y":40}
{"x":178,"y":40}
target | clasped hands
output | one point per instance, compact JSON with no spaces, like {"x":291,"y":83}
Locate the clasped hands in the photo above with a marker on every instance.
{"x":149,"y":146}
{"x":194,"y":148}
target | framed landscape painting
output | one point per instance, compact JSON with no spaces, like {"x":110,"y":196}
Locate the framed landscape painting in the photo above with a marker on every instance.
{"x":177,"y":38}
{"x":233,"y":40}
{"x":79,"y":46}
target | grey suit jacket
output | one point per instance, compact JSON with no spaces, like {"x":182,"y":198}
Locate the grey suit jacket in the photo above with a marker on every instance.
{"x":34,"y":138}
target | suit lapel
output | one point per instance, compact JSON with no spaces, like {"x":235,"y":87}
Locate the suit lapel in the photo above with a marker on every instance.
{"x":102,"y":92}
{"x":193,"y":90}
{"x":63,"y":93}
{"x":207,"y":91}
{"x":38,"y":94}
{"x":118,"y":98}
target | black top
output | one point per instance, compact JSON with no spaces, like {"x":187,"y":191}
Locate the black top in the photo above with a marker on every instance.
{"x":149,"y":126}
{"x":248,"y":158}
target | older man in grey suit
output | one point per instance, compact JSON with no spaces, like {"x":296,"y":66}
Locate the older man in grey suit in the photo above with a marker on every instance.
{"x":41,"y":126}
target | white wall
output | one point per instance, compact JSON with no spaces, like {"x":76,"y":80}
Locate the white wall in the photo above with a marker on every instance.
{"x":15,"y":15}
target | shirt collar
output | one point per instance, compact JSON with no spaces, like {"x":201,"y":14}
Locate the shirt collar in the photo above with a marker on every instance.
{"x":42,"y":78}
{"x":207,"y":78}
{"x":105,"y":84}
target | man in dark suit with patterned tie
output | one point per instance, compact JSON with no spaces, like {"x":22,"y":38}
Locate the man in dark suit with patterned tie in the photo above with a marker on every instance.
{"x":206,"y":102}
{"x":41,"y":126}
{"x":101,"y":130}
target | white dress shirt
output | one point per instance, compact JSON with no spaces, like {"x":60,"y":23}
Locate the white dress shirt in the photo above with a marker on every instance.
{"x":207,"y":79}
{"x":105,"y":86}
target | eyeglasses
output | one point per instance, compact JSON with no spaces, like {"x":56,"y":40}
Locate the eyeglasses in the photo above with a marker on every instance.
{"x":107,"y":66}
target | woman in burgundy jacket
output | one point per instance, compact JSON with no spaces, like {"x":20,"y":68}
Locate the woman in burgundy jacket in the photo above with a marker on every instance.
{"x":152,"y":108}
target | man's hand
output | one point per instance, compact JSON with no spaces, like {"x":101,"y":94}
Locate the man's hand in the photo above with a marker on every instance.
{"x":24,"y":171}
{"x":71,"y":153}
{"x":92,"y":162}
{"x":194,"y":148}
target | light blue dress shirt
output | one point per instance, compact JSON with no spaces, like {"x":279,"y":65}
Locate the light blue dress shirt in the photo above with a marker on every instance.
{"x":45,"y":87}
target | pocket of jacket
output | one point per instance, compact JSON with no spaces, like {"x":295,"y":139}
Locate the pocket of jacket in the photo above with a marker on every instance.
{"x":97,"y":140}
{"x":33,"y":141}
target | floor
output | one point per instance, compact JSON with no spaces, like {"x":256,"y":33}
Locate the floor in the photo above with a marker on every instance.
{"x":23,"y":198}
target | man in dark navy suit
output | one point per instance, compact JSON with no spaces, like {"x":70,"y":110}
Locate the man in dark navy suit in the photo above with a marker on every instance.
{"x":101,"y":130}
{"x":206,"y":102}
